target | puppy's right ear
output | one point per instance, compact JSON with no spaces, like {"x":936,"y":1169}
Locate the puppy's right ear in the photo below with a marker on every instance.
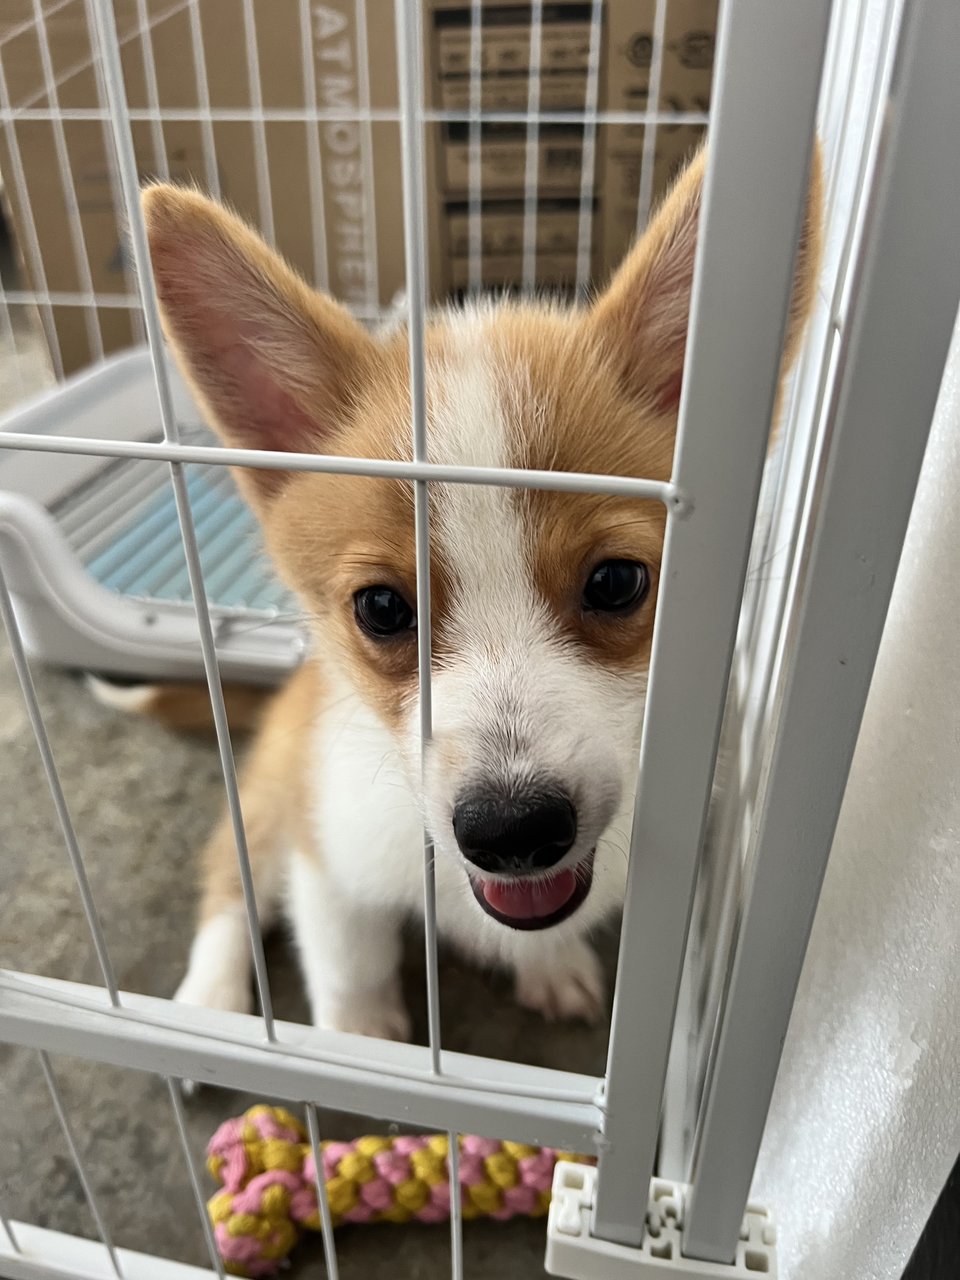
{"x":276,"y":364}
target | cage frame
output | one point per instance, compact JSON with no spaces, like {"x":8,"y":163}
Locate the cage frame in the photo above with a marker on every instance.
{"x":711,"y":501}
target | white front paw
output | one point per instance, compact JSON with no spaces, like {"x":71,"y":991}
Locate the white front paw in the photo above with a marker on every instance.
{"x":565,"y":984}
{"x":213,"y":990}
{"x":376,"y":1012}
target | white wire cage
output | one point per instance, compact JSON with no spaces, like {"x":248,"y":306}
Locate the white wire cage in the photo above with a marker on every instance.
{"x":786,"y":654}
{"x":513,"y":201}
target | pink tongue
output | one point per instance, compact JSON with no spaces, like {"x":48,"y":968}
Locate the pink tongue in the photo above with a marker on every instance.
{"x":530,"y":899}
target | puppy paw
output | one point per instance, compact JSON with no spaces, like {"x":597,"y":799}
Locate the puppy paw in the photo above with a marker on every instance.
{"x":210,"y":990}
{"x":380,"y":1013}
{"x":568,"y":984}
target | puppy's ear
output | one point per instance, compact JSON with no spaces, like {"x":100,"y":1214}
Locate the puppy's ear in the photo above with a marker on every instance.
{"x":276,"y":364}
{"x":642,"y":317}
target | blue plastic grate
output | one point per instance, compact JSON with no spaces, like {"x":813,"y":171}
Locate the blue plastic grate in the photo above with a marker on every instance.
{"x":123,"y":526}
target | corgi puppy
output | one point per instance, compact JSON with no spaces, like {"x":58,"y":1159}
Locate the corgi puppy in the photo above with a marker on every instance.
{"x":542,"y":611}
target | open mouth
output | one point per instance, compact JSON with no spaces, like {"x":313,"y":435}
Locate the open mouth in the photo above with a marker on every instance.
{"x":535,"y":902}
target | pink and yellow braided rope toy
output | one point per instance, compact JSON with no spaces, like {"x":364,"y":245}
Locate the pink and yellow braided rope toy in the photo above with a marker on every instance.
{"x":265,"y":1165}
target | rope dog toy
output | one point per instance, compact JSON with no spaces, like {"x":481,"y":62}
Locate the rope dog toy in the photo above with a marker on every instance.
{"x":268,"y":1196}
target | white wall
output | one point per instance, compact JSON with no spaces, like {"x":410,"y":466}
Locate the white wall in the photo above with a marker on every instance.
{"x":865,"y":1121}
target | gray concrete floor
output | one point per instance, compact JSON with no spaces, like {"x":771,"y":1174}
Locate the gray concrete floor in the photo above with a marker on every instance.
{"x":142,"y":801}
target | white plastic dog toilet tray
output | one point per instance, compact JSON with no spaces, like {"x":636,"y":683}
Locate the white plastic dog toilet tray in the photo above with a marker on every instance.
{"x":91,"y":549}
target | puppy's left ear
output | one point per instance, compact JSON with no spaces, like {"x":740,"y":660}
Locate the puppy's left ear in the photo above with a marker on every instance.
{"x":642,"y":317}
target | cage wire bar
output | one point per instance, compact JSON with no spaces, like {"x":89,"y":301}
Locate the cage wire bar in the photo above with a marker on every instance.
{"x":9,"y":1232}
{"x":87,"y":63}
{"x":862,"y":162}
{"x":410,"y":78}
{"x":160,"y":162}
{"x":8,"y":336}
{"x":748,"y":233}
{"x":371,"y":251}
{"x":77,"y":240}
{"x":258,"y":124}
{"x":409,"y":54}
{"x":333,"y":464}
{"x":649,"y":151}
{"x":323,"y":1200}
{"x":61,"y":807}
{"x":588,"y":157}
{"x":710,"y":502}
{"x":848,"y":147}
{"x":531,"y":157}
{"x":751,"y":709}
{"x":199,"y":59}
{"x":864,"y":496}
{"x":376,"y":115}
{"x":116,"y":191}
{"x":60,"y":1110}
{"x":180,"y":1120}
{"x":315,"y":186}
{"x":474,"y":176}
{"x":766,"y":611}
{"x":112,"y":71}
{"x":31,"y":246}
{"x":755,"y":610}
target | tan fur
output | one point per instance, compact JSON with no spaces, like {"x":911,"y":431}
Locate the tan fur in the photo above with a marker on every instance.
{"x":274,"y":800}
{"x":280,"y":367}
{"x":586,"y":421}
{"x":185,"y":708}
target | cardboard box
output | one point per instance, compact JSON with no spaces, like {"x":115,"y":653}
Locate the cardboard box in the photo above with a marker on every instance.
{"x":344,"y":240}
{"x":503,"y":158}
{"x":505,"y":54}
{"x":626,"y":49}
{"x":505,"y":51}
{"x":622,"y":147}
{"x":339,"y":222}
{"x":685,"y":86}
{"x":501,"y":239}
{"x":687,"y":67}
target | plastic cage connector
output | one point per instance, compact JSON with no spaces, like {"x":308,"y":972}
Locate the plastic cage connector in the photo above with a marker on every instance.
{"x":574,"y":1253}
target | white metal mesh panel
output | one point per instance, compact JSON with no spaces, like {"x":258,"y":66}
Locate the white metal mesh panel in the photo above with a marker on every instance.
{"x":852,"y":96}
{"x":116,"y":85}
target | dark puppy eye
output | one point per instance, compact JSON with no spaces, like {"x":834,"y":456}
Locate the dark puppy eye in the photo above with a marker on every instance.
{"x":380,"y":611}
{"x":616,"y":586}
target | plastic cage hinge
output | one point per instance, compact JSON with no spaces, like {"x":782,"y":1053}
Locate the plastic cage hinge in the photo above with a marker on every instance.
{"x":574,"y":1253}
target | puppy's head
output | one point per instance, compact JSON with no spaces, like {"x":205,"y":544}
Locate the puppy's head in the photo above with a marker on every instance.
{"x":543,"y":603}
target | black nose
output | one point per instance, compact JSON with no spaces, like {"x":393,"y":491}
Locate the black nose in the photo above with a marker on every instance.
{"x":528,"y":831}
